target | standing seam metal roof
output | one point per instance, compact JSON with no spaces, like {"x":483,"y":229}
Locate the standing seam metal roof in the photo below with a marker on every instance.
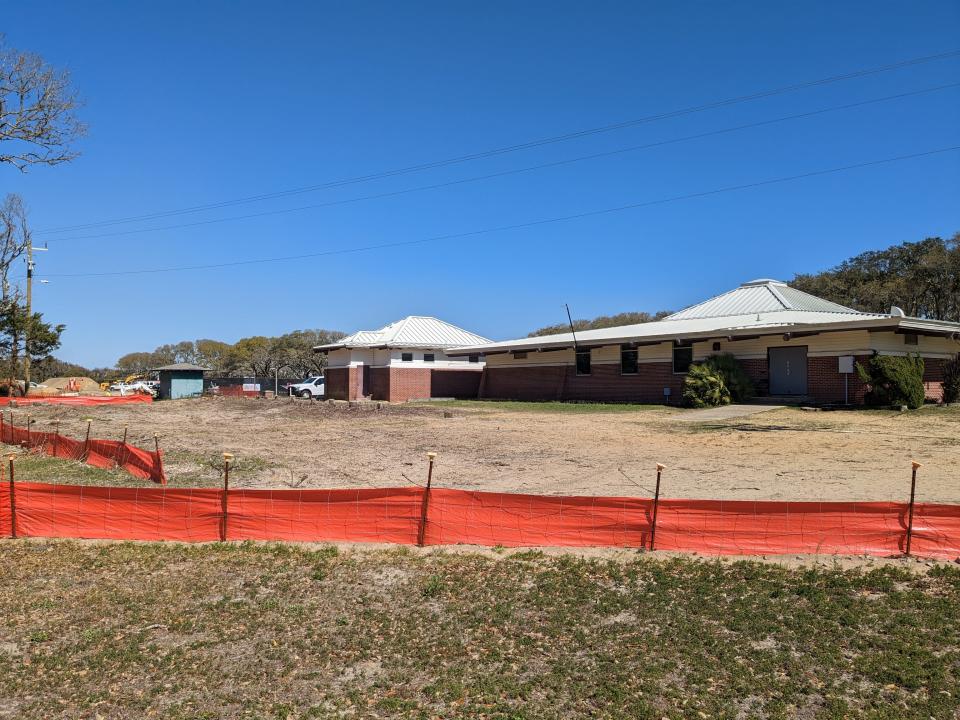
{"x":759,"y":296}
{"x":412,"y":331}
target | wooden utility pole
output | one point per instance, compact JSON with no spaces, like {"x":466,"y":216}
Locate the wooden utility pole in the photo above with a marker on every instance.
{"x":26,"y":338}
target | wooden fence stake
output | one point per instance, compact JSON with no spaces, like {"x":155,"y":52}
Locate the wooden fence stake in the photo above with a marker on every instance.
{"x":422,"y":529}
{"x":86,"y":442}
{"x":29,"y":421}
{"x":124,"y":441}
{"x":3,"y":427}
{"x":156,"y":444}
{"x":13,"y":499}
{"x":227,"y":459}
{"x":913,"y":494}
{"x":656,"y":507}
{"x":56,"y":436}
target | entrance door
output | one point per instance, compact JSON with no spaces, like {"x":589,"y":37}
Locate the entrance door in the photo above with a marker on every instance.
{"x":788,"y":370}
{"x":365,"y":380}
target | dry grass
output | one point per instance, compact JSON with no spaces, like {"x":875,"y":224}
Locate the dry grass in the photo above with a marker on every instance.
{"x":256,"y":631}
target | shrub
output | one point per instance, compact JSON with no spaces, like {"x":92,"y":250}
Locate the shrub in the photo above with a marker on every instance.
{"x":734,"y":376}
{"x":951,"y":380}
{"x":893,"y":380}
{"x":704,"y":387}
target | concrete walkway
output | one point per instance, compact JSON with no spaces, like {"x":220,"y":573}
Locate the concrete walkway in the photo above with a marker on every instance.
{"x":724,"y":412}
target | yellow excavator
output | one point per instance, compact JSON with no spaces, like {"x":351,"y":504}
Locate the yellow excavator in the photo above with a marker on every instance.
{"x":126,"y":381}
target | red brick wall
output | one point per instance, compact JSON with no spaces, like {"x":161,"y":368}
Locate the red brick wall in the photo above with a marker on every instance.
{"x":605,"y":383}
{"x":409,"y":384}
{"x":455,"y":383}
{"x":825,"y":382}
{"x":758,"y":371}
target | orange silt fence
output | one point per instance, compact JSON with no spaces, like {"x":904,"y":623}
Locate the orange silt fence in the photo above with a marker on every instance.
{"x":97,"y":452}
{"x":394,"y":515}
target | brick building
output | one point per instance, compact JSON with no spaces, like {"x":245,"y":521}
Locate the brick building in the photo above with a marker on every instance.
{"x":794,"y":346}
{"x":406,"y":360}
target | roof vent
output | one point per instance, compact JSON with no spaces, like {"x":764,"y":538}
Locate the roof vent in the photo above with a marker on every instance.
{"x":897,"y":311}
{"x":762,"y":281}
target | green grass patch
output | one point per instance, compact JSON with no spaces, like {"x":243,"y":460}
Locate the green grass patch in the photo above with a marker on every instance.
{"x":547,"y":407}
{"x":264,"y":631}
{"x":29,"y":467}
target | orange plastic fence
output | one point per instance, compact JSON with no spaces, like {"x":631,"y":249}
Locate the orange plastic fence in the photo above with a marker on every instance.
{"x":457,"y":516}
{"x":77,"y":400}
{"x":98,"y":453}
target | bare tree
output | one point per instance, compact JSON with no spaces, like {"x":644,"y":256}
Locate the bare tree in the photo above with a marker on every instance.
{"x":38,"y":124}
{"x":14,"y":238}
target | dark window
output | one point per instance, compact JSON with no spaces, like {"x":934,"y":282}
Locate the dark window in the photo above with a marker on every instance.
{"x":583,"y":362}
{"x":474,"y":358}
{"x":428,"y":357}
{"x":682,"y":359}
{"x":628,"y":360}
{"x":520,"y":354}
{"x":406,"y":357}
{"x":911,"y":339}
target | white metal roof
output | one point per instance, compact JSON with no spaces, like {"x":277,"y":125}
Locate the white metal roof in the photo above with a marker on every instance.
{"x":413,"y":331}
{"x":759,"y":296}
{"x":760,"y":307}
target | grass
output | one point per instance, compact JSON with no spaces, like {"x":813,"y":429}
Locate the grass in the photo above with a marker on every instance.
{"x":545,"y":407}
{"x":270,"y":631}
{"x":29,"y":467}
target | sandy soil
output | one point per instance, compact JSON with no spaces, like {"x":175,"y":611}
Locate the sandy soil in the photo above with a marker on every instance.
{"x":776,"y":455}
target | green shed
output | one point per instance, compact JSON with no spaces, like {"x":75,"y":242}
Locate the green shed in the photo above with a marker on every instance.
{"x":180,"y":380}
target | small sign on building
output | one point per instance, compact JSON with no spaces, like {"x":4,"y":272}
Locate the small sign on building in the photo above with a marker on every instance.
{"x":251,"y":387}
{"x":846,"y":364}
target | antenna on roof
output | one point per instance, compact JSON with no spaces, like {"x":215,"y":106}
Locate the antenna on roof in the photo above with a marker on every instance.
{"x":572,"y":331}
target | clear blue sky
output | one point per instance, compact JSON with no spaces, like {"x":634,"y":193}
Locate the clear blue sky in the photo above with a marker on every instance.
{"x":193,"y":103}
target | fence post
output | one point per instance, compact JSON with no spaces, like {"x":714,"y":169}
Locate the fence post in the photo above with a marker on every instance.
{"x":156,"y":445}
{"x":13,"y":499}
{"x":913,"y":494}
{"x":2,"y":428}
{"x":29,"y":421}
{"x":656,"y":507}
{"x":422,"y":529}
{"x":227,"y":459}
{"x":86,"y":442}
{"x":56,"y":436}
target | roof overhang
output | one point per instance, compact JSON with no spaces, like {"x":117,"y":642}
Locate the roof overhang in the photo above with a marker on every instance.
{"x":789,"y":331}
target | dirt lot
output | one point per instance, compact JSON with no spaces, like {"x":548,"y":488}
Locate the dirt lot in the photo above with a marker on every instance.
{"x":535,"y":448}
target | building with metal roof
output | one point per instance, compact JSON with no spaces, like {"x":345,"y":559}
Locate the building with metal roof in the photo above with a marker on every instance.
{"x":792,"y":344}
{"x":405,"y":360}
{"x":180,"y":380}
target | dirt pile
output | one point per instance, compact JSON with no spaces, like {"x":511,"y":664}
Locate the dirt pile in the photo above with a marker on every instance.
{"x":60,"y":385}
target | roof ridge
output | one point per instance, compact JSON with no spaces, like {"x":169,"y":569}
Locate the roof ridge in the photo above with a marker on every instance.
{"x":787,"y":305}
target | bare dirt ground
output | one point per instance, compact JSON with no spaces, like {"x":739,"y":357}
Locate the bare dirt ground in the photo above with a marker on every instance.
{"x":776,"y":455}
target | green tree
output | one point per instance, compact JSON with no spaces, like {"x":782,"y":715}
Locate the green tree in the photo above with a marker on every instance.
{"x":22,"y":335}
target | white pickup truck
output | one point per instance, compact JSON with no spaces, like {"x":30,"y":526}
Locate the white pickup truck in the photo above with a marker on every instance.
{"x":310,"y":388}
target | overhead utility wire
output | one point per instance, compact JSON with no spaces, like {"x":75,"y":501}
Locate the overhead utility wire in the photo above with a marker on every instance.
{"x":505,"y":173}
{"x":517,"y":226}
{"x":513,"y":148}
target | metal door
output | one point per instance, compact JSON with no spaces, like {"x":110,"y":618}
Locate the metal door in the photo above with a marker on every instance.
{"x":788,"y":370}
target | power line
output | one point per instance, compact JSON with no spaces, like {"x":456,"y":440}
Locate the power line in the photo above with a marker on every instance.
{"x":517,"y":226}
{"x":506,"y":173}
{"x":513,"y":148}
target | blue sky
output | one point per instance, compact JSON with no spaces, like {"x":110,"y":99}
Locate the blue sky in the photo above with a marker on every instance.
{"x":196,"y":103}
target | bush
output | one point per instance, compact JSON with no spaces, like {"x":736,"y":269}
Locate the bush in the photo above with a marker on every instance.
{"x":734,"y":376}
{"x":704,"y":387}
{"x":951,"y":380}
{"x":893,"y":380}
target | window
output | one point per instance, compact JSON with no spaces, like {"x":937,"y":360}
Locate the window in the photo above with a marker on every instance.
{"x":428,"y":357}
{"x":520,"y":355}
{"x":682,"y":359}
{"x":406,"y":357}
{"x":583,"y":362}
{"x":628,"y":360}
{"x":474,"y":358}
{"x":911,"y":339}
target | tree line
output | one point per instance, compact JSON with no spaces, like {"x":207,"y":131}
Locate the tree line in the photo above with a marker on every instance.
{"x":257,"y":356}
{"x":922,"y":278}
